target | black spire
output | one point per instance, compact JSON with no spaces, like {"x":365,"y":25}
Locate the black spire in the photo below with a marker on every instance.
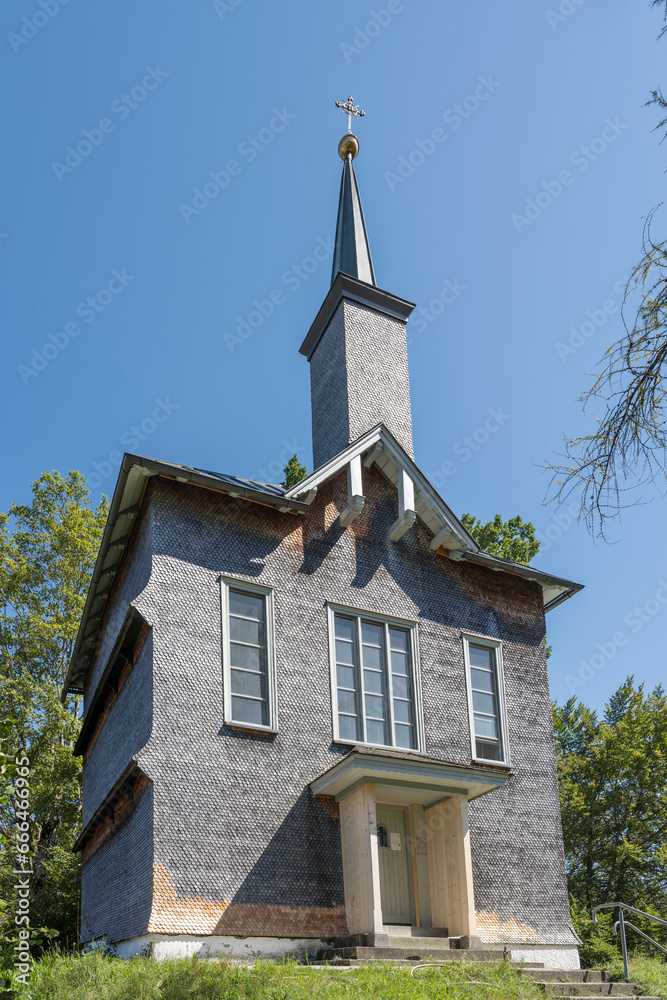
{"x":352,"y":253}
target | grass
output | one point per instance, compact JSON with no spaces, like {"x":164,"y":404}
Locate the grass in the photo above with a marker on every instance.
{"x":96,"y":977}
{"x":650,"y":974}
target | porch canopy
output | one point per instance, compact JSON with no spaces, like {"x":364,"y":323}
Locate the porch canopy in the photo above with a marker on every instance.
{"x":412,"y":778}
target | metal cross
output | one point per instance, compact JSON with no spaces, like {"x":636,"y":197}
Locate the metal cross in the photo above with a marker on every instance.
{"x":349,"y":108}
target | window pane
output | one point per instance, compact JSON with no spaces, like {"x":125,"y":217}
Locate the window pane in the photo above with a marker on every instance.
{"x":404,"y":736}
{"x":481,"y":656}
{"x":402,"y":711}
{"x":371,"y":633}
{"x":346,"y":677}
{"x":344,"y":651}
{"x":372,"y":656}
{"x":249,"y":657}
{"x":246,"y":630}
{"x":484,"y":702}
{"x":401,"y":686}
{"x":373,"y":710}
{"x":344,"y":628}
{"x":486,"y":726}
{"x":399,"y":662}
{"x":398,"y":639}
{"x":347,"y":727}
{"x":374,"y":706}
{"x":481,"y":679}
{"x":247,"y":652}
{"x":245,"y":683}
{"x":347,"y":701}
{"x":246,"y":605}
{"x":488,"y":750}
{"x":373,"y":682}
{"x":376,"y":732}
{"x":245,"y":710}
{"x":484,"y":684}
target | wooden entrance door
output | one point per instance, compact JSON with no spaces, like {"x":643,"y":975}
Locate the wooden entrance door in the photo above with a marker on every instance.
{"x":393,"y":855}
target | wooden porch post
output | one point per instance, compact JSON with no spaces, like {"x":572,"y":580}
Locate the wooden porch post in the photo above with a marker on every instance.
{"x":450,"y":866}
{"x":361,"y":869}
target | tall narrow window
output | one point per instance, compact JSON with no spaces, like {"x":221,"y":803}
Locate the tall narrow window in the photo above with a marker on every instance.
{"x":249,"y":673}
{"x":486,"y":700}
{"x":374,"y":680}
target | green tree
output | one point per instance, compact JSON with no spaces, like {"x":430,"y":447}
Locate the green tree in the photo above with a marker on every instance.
{"x":294,"y":472}
{"x":612,"y":774}
{"x":626,"y":450}
{"x":513,"y":539}
{"x":47,"y":553}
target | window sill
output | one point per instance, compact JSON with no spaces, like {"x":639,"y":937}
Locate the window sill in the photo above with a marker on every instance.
{"x":377,"y":746}
{"x":491,"y":763}
{"x":246,"y":728}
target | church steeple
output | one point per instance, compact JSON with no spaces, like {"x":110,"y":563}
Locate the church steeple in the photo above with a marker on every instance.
{"x":352,"y":253}
{"x":356,"y":346}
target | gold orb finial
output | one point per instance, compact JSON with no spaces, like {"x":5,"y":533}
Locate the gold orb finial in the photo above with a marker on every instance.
{"x":348,"y":146}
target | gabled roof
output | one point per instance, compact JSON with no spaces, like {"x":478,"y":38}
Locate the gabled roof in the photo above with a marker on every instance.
{"x":451,"y":538}
{"x":377,"y":446}
{"x":390,"y":457}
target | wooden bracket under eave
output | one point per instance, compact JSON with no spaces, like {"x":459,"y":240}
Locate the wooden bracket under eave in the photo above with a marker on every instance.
{"x":352,"y":511}
{"x":355,"y":497}
{"x":402,"y":524}
{"x":407,"y":515}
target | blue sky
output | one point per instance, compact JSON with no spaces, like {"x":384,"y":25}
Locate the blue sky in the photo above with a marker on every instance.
{"x":141,"y":288}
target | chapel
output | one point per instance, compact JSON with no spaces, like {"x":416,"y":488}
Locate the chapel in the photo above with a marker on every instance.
{"x":317,"y":719}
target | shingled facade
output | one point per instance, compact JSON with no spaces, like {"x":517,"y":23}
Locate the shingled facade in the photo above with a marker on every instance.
{"x":320,"y":713}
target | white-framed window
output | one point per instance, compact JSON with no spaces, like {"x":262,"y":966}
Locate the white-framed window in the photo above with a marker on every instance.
{"x":486,"y":698}
{"x":248,"y":655}
{"x":375,"y":691}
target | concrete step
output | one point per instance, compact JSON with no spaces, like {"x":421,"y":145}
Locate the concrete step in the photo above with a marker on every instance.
{"x":403,"y":930}
{"x":569,"y":975}
{"x":587,"y":989}
{"x":420,"y":943}
{"x":411,"y":954}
